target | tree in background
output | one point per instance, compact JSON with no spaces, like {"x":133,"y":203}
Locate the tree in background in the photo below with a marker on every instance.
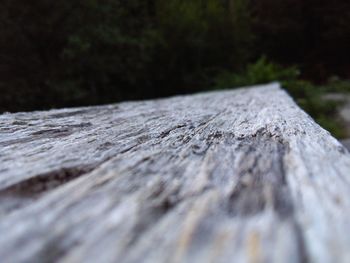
{"x":58,"y":53}
{"x":199,"y":39}
{"x":313,"y":34}
{"x":67,"y":53}
{"x":75,"y":52}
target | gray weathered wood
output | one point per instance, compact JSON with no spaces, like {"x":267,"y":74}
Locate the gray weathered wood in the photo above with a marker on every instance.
{"x":346,"y":143}
{"x":232,"y":176}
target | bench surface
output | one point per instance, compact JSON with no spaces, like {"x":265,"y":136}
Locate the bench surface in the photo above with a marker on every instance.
{"x":229,"y":176}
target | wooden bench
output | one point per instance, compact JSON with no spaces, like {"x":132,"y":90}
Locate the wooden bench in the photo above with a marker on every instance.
{"x":230,"y":176}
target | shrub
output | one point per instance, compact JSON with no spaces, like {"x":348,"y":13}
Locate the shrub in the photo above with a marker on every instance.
{"x":307,"y":95}
{"x":259,"y":72}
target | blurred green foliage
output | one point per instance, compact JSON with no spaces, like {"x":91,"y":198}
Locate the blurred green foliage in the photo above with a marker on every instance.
{"x":69,"y":53}
{"x":335,"y":84}
{"x":76,"y":52}
{"x":262,"y":71}
{"x":309,"y":96}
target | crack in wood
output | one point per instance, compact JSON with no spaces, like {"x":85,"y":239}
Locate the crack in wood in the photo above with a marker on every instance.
{"x":261,"y":177}
{"x":25,"y":192}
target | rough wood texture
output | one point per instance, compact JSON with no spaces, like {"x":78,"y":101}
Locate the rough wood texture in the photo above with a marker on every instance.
{"x":233,"y":176}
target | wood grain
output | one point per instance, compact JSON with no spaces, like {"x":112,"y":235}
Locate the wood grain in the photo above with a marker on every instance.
{"x":229,"y":176}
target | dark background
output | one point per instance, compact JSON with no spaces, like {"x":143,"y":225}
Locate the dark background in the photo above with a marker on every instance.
{"x":69,"y":53}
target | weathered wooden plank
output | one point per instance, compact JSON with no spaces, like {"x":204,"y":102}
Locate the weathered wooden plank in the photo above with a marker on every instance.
{"x":233,"y":176}
{"x":346,"y":143}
